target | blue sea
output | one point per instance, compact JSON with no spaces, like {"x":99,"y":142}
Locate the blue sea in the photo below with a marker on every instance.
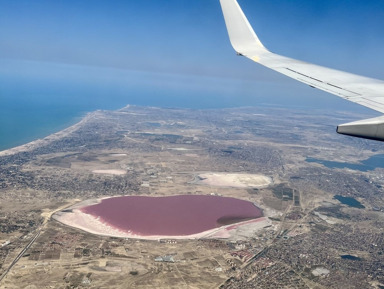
{"x":37,"y":99}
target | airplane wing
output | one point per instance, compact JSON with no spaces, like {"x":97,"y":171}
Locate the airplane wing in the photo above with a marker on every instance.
{"x":359,"y":89}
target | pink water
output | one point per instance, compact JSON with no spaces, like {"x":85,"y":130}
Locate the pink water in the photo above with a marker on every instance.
{"x":171,"y":216}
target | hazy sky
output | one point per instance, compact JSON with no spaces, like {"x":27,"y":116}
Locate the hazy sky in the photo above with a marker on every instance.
{"x":122,"y":47}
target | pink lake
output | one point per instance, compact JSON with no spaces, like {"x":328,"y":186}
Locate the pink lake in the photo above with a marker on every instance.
{"x":171,"y":216}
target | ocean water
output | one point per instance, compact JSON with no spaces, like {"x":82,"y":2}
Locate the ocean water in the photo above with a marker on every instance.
{"x":33,"y":106}
{"x":24,"y":121}
{"x":37,"y":99}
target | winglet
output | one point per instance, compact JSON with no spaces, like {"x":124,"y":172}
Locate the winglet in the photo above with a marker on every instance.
{"x":243,"y":39}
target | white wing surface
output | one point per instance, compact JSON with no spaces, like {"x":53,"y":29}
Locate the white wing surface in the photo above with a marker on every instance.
{"x":359,"y":89}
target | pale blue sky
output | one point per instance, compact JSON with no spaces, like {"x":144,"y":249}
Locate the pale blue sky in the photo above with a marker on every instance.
{"x":184,"y":38}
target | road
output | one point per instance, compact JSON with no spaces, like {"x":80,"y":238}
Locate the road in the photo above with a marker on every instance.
{"x":20,"y":254}
{"x":47,"y":216}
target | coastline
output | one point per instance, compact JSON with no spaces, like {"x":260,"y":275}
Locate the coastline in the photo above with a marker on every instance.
{"x":48,"y":139}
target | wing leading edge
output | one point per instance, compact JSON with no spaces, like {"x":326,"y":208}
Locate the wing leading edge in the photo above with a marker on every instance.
{"x":359,"y":89}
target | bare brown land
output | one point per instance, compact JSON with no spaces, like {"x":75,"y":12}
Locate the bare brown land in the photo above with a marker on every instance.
{"x":307,"y":239}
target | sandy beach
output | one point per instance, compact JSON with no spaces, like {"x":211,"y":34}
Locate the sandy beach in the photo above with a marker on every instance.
{"x":48,"y":139}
